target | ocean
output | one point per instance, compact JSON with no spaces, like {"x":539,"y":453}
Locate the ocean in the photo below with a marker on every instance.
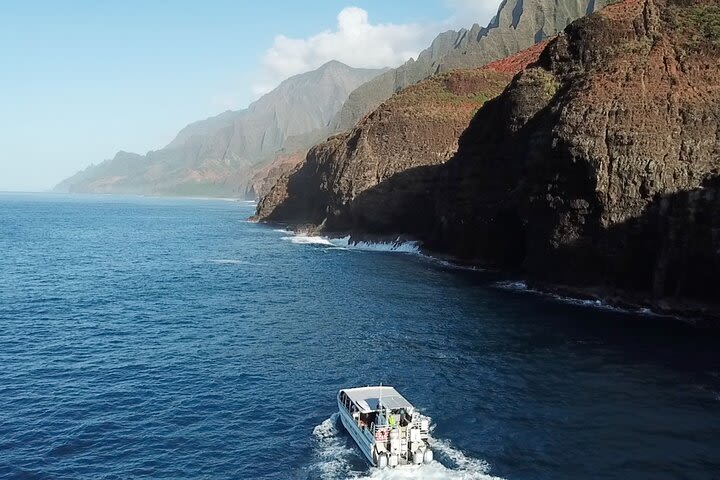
{"x":170,"y":338}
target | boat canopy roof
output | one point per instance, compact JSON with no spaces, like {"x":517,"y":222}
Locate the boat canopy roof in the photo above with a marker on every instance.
{"x":369,"y":399}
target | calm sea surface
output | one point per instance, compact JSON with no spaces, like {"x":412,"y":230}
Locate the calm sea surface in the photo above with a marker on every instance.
{"x":166,"y":338}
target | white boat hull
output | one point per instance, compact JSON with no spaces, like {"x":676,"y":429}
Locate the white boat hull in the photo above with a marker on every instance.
{"x":364,"y":443}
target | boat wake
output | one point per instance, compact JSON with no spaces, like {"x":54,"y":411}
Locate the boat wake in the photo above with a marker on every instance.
{"x":332,"y":456}
{"x":336,"y":458}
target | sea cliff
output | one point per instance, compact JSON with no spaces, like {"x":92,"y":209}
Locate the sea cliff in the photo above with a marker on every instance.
{"x":341,"y":180}
{"x":596,"y":170}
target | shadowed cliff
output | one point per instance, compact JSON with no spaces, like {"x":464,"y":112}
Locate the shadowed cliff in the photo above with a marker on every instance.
{"x":665,"y":258}
{"x":596,"y":169}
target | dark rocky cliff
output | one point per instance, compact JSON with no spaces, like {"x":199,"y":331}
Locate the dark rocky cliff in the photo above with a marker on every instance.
{"x":598,"y":167}
{"x":597,"y":170}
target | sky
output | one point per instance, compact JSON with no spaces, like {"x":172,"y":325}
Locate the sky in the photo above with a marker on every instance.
{"x":83,"y":79}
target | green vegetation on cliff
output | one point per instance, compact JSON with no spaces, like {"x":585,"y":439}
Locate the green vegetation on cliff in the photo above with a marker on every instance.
{"x":697,"y":23}
{"x":518,"y":25}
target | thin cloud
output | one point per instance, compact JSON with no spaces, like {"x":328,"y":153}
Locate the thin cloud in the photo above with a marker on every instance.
{"x":355,"y":41}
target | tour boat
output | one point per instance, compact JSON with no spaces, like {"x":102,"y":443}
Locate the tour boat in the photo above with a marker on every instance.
{"x":386,"y":427}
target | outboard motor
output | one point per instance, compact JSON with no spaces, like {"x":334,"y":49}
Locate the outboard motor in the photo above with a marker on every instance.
{"x":428,"y":456}
{"x":394,"y":442}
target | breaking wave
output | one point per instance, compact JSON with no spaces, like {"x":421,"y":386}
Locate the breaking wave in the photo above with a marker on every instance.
{"x":523,"y":287}
{"x":397,"y":246}
{"x":309,"y":240}
{"x":337,"y":458}
{"x":583,"y":302}
{"x":520,"y":286}
{"x":346,"y":243}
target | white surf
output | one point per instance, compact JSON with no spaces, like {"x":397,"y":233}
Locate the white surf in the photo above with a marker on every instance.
{"x":335,"y":457}
{"x":346,"y":243}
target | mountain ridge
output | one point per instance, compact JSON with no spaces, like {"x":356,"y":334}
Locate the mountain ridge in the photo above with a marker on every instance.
{"x":517,"y":25}
{"x":218,"y":155}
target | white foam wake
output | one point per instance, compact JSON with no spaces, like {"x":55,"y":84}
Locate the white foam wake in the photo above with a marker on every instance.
{"x":434,"y":471}
{"x":332,"y":454}
{"x":335,"y":455}
{"x":455,"y":466}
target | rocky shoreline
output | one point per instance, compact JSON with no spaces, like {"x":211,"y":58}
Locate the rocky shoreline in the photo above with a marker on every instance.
{"x":697,"y":314}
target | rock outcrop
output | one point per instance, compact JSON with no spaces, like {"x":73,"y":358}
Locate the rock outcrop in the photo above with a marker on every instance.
{"x":218,"y":156}
{"x":263,"y":179}
{"x":596,"y":170}
{"x":517,"y":25}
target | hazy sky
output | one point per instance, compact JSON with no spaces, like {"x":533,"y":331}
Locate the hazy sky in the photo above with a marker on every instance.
{"x":80,"y":80}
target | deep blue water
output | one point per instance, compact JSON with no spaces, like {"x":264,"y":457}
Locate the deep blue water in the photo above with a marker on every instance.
{"x":167,"y":338}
